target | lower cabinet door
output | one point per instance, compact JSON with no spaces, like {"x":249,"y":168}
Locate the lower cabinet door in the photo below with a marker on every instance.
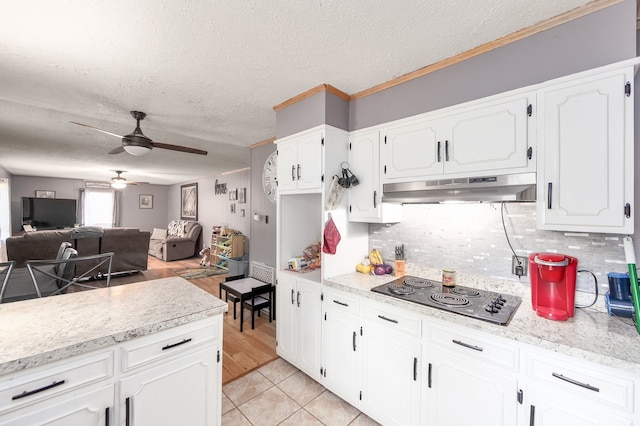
{"x":340,"y":355}
{"x":460,"y":392}
{"x":80,"y":408}
{"x":547,"y":407}
{"x":390,"y":376}
{"x":179,"y":392}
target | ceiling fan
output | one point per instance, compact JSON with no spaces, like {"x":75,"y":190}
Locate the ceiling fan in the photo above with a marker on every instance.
{"x":136,"y":143}
{"x":118,"y":182}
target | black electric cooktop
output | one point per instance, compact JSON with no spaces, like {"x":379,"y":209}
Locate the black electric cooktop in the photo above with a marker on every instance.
{"x":480,"y":304}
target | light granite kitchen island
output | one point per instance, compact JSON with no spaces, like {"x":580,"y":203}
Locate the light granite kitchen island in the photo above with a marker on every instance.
{"x":132,"y":353}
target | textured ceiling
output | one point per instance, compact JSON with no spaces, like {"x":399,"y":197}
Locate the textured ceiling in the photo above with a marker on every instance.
{"x":207,"y":72}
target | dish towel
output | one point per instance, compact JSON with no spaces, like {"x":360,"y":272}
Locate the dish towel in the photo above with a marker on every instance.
{"x":331,"y":237}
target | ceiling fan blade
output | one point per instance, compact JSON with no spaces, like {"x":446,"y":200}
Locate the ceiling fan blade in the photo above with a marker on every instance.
{"x":118,"y":150}
{"x":179,"y":148}
{"x":99,"y":130}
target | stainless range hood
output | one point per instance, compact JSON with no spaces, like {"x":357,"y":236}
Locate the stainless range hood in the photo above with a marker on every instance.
{"x":514,"y":187}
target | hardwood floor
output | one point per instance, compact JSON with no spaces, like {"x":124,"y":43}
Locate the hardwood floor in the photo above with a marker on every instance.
{"x":242,"y":352}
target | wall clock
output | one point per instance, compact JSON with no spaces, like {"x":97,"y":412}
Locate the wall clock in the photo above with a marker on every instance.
{"x":269,"y":177}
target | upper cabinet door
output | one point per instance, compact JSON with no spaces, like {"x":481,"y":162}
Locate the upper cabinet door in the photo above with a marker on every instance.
{"x":364,"y":160}
{"x":309,"y":170}
{"x":300,"y":163}
{"x":585,"y":163}
{"x":410,"y":150}
{"x":287,"y":163}
{"x":494,"y":136}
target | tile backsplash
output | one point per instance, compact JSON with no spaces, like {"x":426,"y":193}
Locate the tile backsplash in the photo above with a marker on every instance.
{"x":471,"y":238}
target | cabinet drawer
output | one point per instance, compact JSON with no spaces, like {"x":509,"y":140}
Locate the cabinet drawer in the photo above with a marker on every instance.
{"x":477,"y":345}
{"x":581,"y":379}
{"x":340,"y":301}
{"x":169,"y":342}
{"x":391,"y":318}
{"x":29,"y":386}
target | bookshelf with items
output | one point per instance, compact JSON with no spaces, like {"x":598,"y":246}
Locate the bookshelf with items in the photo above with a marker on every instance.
{"x":228,"y":244}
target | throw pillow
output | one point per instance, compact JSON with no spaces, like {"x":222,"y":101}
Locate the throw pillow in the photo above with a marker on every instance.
{"x":158,"y":234}
{"x":177,"y":228}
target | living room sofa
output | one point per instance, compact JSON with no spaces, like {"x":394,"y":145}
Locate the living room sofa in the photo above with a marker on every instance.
{"x":129,"y":247}
{"x":181,"y":240}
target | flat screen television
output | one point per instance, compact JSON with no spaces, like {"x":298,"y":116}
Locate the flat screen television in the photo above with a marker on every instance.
{"x":48,"y":213}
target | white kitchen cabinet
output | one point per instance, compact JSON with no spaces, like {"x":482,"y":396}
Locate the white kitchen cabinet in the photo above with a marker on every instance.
{"x":298,"y":323}
{"x":175,"y":392}
{"x":87,"y":408}
{"x":166,"y":378}
{"x":470,"y":367}
{"x":493,"y":136}
{"x":563,"y":391}
{"x":585,"y":161}
{"x":391,"y":372}
{"x":365,"y":199}
{"x":341,"y":345}
{"x":300,"y":162}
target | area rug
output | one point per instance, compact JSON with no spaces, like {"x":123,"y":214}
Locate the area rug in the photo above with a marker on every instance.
{"x":201,"y":272}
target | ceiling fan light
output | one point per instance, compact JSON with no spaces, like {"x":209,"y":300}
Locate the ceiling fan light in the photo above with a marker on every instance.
{"x":118,"y":183}
{"x":136,"y":149}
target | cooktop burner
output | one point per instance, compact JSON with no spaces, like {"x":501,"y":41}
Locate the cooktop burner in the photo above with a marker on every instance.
{"x":400,"y":289}
{"x":471,"y":302}
{"x":449,"y":299}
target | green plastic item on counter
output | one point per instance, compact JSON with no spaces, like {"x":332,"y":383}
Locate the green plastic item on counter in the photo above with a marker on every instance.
{"x":630,"y":255}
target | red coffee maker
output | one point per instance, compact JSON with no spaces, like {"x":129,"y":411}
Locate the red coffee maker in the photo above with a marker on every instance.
{"x":553,"y":285}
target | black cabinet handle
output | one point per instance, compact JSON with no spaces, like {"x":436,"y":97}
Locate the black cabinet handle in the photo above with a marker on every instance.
{"x":106,"y":416}
{"x":446,"y":150}
{"x":298,"y":299}
{"x":298,"y":171}
{"x":375,"y":197}
{"x":127,"y":411}
{"x":627,"y":210}
{"x":549,"y":191}
{"x":532,"y":416}
{"x":354,"y":341}
{"x":293,"y":172}
{"x":467,"y":345}
{"x":340,"y":303}
{"x":575,"y":382}
{"x":438,"y":153}
{"x":35,"y":391}
{"x":292,"y":300}
{"x":415,"y":369}
{"x":164,"y":348}
{"x":429,"y":376}
{"x":388,"y":319}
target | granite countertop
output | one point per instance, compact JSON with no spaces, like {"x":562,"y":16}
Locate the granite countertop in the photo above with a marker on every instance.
{"x":591,"y":334}
{"x":38,"y":331}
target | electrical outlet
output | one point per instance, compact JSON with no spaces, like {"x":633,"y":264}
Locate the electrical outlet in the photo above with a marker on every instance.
{"x":519,"y":266}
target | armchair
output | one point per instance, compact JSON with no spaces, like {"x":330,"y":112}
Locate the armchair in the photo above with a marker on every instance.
{"x":181,"y":241}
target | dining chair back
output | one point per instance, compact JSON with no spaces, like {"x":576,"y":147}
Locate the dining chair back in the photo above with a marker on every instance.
{"x":64,"y":271}
{"x":261,"y":298}
{"x":5,"y":274}
{"x":232,"y":297}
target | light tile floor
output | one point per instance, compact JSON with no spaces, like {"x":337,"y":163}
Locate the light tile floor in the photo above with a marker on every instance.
{"x":280,"y":394}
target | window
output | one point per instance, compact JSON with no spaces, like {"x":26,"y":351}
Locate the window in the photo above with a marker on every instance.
{"x":98,"y":208}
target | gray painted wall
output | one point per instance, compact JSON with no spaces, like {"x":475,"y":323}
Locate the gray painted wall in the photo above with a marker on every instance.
{"x":263,"y":235}
{"x":132,"y":215}
{"x":594,"y":40}
{"x":321,"y":108}
{"x":215,"y":210}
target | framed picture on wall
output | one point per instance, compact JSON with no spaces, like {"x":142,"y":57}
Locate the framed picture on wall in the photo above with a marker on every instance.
{"x":189,"y":201}
{"x":146,"y":201}
{"x":233,"y":194}
{"x":242,"y":195}
{"x":45,"y":194}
